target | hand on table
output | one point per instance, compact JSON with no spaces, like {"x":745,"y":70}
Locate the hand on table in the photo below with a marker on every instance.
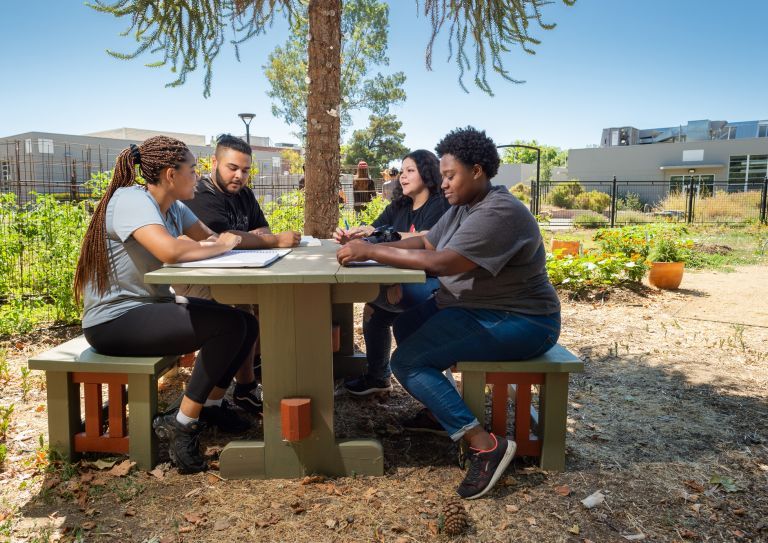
{"x":228,"y":240}
{"x":345,"y":236}
{"x":288,"y":239}
{"x":355,"y":251}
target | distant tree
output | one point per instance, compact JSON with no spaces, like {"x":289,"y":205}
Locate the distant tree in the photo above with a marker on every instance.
{"x":190,"y":33}
{"x":378,"y":144}
{"x":294,"y":159}
{"x":365,"y":28}
{"x":551,"y":156}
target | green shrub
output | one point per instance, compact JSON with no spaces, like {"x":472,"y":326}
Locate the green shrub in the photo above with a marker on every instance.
{"x":633,"y":217}
{"x":563,"y":195}
{"x":590,"y":219}
{"x":666,"y":249}
{"x":629,"y":202}
{"x":634,"y":240}
{"x":591,"y":270}
{"x":522,"y":192}
{"x":593,"y":200}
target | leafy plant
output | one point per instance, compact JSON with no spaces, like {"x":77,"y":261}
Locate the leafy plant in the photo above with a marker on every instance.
{"x":6,"y":414}
{"x":26,"y":384}
{"x":578,"y":273}
{"x":629,"y":202}
{"x":666,"y":250}
{"x":564,"y":195}
{"x":590,"y":219}
{"x":5,"y":367}
{"x":593,"y":200}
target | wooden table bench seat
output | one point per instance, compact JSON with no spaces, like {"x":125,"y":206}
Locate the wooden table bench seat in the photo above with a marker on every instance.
{"x":75,"y":363}
{"x":550,"y":372}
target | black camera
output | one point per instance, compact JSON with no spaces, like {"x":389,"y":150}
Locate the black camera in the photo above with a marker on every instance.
{"x":383,"y":234}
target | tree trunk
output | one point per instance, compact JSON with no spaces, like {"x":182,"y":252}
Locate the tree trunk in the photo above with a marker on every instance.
{"x":321,"y":212}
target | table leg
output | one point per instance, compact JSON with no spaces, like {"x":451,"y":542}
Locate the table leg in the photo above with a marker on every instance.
{"x":298,"y":363}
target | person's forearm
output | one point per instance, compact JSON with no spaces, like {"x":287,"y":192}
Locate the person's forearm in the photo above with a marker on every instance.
{"x":188,"y":250}
{"x":409,"y":242}
{"x":435,"y":263}
{"x":249,"y":240}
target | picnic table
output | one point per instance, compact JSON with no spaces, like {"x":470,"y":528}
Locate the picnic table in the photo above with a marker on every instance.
{"x":299,"y":297}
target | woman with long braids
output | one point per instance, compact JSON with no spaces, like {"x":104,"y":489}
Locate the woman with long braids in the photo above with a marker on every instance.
{"x":135,"y":229}
{"x":417,"y":204}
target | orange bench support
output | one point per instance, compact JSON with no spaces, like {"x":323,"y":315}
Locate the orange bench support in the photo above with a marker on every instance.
{"x":115,"y":440}
{"x":528,"y":443}
{"x":296,"y":418}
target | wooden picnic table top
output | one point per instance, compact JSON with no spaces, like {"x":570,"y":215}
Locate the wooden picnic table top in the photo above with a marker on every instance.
{"x":316,"y":264}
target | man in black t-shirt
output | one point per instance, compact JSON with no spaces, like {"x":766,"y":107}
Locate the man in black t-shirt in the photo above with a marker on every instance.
{"x":224,"y":203}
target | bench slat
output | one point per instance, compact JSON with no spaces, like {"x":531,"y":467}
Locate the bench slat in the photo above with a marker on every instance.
{"x":77,"y":355}
{"x":556,"y":360}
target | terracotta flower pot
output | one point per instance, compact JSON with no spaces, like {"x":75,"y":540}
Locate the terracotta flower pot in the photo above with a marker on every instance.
{"x":567,"y":247}
{"x":666,"y":275}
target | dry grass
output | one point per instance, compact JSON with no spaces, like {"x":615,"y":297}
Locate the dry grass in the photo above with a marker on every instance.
{"x":722,"y":207}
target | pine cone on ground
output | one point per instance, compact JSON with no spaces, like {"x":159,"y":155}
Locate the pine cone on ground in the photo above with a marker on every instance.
{"x":455,"y":517}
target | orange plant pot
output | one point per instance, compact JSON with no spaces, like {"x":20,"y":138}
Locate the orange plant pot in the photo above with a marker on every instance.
{"x":566,"y":247}
{"x":666,"y":275}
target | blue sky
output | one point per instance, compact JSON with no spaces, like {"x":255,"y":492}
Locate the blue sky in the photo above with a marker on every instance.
{"x":608,"y":63}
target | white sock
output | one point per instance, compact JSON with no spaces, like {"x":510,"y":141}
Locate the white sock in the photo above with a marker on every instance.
{"x":209,"y":402}
{"x":183,"y":419}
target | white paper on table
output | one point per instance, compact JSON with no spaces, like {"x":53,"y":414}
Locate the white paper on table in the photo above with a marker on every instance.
{"x":309,"y":241}
{"x":250,"y":258}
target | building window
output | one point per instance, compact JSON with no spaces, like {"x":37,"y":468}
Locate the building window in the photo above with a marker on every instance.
{"x":762,"y":129}
{"x":704,"y":185}
{"x":45,"y":146}
{"x":746,"y":172}
{"x":5,"y":170}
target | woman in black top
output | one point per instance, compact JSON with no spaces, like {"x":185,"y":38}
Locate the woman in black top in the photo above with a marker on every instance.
{"x":417,"y":204}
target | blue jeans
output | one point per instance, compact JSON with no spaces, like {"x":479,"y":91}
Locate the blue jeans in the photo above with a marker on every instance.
{"x":431,"y":340}
{"x":376,"y":327}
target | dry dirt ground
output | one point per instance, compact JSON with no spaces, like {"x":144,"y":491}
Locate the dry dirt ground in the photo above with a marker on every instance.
{"x":669,"y":422}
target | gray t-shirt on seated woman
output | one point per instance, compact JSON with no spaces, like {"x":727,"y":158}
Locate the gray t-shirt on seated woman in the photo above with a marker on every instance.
{"x":501,"y":236}
{"x":129,"y":209}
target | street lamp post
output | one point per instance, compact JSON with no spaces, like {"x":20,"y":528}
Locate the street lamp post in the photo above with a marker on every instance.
{"x":534,"y":190}
{"x":247,"y":118}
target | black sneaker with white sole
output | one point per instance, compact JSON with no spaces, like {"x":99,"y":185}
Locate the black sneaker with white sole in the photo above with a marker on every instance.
{"x":183,"y":442}
{"x":365,"y":385}
{"x":423,"y":421}
{"x":486,"y":468}
{"x":249,"y":398}
{"x":224,"y":418}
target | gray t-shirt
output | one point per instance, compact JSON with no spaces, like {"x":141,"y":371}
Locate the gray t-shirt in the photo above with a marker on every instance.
{"x":501,"y":236}
{"x":129,"y":209}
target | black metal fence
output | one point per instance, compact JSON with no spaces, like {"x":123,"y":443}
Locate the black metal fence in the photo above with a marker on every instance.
{"x":689,"y":199}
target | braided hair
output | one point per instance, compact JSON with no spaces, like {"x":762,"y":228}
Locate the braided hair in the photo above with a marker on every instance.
{"x":151,"y":158}
{"x":429,"y":170}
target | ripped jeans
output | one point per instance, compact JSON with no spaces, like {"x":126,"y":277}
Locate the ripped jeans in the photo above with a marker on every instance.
{"x":430,"y":340}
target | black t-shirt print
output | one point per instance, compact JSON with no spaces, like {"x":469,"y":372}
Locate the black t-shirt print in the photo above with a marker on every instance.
{"x":221,"y":211}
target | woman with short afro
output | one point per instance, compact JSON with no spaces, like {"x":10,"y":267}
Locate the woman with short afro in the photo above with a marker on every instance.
{"x":495,"y":301}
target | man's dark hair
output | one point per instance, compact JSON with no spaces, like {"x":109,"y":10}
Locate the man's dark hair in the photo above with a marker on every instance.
{"x":228,"y":141}
{"x":471,"y":146}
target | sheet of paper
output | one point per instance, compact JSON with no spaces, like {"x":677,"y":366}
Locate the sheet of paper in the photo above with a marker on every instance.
{"x":309,"y":241}
{"x":255,"y":258}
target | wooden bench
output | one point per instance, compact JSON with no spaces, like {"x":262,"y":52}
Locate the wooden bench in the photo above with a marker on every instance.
{"x":550,"y":371}
{"x":75,"y":363}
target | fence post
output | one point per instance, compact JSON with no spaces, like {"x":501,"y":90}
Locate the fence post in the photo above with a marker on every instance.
{"x":613,"y":202}
{"x":689,"y":211}
{"x":764,"y":201}
{"x":532,"y":204}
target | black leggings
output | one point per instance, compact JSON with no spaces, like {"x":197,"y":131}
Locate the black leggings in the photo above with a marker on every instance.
{"x":225,"y":337}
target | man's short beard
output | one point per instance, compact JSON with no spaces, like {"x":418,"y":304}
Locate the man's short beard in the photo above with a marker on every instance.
{"x":215,"y":179}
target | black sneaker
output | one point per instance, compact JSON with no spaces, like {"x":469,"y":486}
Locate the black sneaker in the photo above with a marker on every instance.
{"x":365,"y":385}
{"x":224,"y":418}
{"x":183,"y":442}
{"x":486,"y":468}
{"x":257,"y":367}
{"x":249,"y":398}
{"x":423,"y":421}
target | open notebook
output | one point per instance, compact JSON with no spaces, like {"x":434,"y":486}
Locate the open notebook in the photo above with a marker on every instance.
{"x":252,"y":258}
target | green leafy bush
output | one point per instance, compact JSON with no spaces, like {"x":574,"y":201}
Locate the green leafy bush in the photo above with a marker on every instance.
{"x":666,"y":249}
{"x":636,"y":239}
{"x":285,"y":213}
{"x":629,"y":202}
{"x":593,"y":200}
{"x":564,"y":195}
{"x":522,"y":192}
{"x":577,"y":273}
